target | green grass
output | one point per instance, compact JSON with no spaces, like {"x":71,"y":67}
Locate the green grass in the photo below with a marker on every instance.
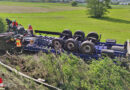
{"x":33,"y":4}
{"x":121,"y":6}
{"x":115,"y":25}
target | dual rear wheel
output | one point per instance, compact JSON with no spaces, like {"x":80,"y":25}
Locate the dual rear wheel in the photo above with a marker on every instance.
{"x":58,"y":43}
{"x":73,"y":45}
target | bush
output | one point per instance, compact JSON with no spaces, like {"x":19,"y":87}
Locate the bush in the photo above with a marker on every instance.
{"x":74,"y":3}
{"x":105,"y":74}
{"x":2,"y":26}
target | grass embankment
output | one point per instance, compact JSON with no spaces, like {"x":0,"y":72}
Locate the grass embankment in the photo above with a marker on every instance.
{"x":71,"y":73}
{"x":13,"y":81}
{"x":115,"y":25}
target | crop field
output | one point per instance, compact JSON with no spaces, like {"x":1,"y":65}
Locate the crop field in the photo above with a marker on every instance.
{"x":59,"y":16}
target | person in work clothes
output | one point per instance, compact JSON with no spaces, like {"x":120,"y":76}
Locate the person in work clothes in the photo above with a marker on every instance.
{"x":30,"y":30}
{"x":9,"y":22}
{"x":14,"y":26}
{"x":18,"y":45}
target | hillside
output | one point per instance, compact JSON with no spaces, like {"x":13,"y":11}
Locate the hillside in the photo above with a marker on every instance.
{"x":15,"y":82}
{"x":66,"y":72}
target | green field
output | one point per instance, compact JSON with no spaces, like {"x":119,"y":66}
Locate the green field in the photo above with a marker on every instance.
{"x":58,"y":16}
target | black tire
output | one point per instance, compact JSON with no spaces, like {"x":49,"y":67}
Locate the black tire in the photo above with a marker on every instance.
{"x":71,"y":45}
{"x":93,"y":36}
{"x":80,"y":35}
{"x":67,"y":34}
{"x":57,"y":44}
{"x":87,"y":47}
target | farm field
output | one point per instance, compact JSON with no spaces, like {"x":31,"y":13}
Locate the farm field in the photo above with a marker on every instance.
{"x":58,"y":16}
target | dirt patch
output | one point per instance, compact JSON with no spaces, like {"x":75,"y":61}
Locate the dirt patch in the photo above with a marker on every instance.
{"x":21,"y":9}
{"x":25,"y":9}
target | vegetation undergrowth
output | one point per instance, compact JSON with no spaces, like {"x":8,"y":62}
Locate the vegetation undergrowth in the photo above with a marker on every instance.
{"x":70,"y":73}
{"x":2,"y":25}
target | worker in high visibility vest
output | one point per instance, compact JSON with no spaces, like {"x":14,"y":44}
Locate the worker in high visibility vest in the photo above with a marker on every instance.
{"x":18,"y":43}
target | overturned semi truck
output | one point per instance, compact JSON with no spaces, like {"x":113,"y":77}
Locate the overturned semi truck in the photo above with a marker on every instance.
{"x":86,"y":47}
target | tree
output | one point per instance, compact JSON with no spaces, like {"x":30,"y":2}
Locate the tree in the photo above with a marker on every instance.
{"x":97,"y":8}
{"x":74,"y":3}
{"x":108,"y":4}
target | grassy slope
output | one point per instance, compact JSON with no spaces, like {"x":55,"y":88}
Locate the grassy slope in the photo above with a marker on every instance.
{"x":13,"y":81}
{"x":116,"y":25}
{"x":69,"y":72}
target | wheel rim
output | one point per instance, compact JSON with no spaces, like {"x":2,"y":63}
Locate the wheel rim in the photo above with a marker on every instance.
{"x":70,"y":45}
{"x":86,"y":49}
{"x":57,"y":45}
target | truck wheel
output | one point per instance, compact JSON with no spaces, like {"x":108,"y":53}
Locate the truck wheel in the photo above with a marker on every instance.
{"x":71,"y":45}
{"x":87,"y":47}
{"x":57,"y":44}
{"x":80,"y":35}
{"x":67,"y":34}
{"x":92,"y":36}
